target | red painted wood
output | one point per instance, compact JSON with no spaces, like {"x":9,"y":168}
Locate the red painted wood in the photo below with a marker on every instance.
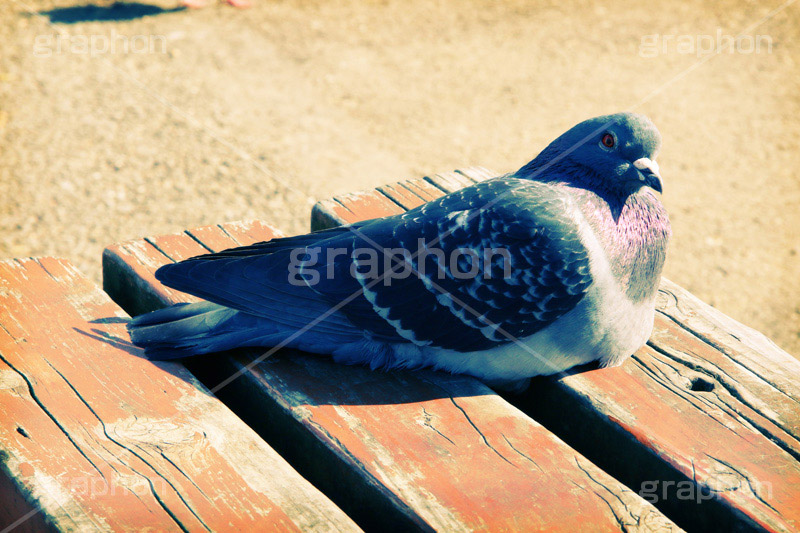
{"x":392,"y":199}
{"x":131,"y":283}
{"x":349,"y":208}
{"x":477,"y":174}
{"x":425,"y":190}
{"x":219,"y":237}
{"x":429,"y":448}
{"x":94,"y":436}
{"x":450,"y":181}
{"x":411,"y":193}
{"x":701,"y":435}
{"x":401,"y":195}
{"x":365,"y":205}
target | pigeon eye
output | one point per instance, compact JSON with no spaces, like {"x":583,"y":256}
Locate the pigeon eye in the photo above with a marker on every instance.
{"x":608,"y":140}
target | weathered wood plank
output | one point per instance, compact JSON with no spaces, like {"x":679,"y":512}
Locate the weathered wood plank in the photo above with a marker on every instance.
{"x":425,"y":190}
{"x":412,"y":193}
{"x":476,"y":173}
{"x":409,"y":449}
{"x":391,"y":199}
{"x":348,"y":208}
{"x":452,"y":181}
{"x":705,"y":420}
{"x":402,"y":196}
{"x":95,"y":437}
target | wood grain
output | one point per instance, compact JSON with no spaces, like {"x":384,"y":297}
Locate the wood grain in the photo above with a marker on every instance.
{"x":95,"y":437}
{"x":400,"y":450}
{"x":704,"y":420}
{"x":391,"y":199}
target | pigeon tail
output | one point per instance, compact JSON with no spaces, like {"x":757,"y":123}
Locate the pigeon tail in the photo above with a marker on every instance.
{"x":184,"y":330}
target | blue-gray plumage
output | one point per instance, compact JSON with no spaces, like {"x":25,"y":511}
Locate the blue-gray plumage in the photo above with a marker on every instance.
{"x":531,"y":273}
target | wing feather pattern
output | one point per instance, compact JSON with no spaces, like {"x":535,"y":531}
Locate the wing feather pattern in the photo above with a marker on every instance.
{"x":496,"y":261}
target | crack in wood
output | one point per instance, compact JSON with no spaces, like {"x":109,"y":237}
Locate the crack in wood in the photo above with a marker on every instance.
{"x":430,"y":180}
{"x":671,"y":387}
{"x":392,"y":199}
{"x":747,"y":479}
{"x":228,"y":234}
{"x":416,"y":191}
{"x":153,"y":468}
{"x":166,"y":507}
{"x":198,"y":241}
{"x":344,"y":205}
{"x":9,"y":333}
{"x":485,"y":440}
{"x":39,"y":262}
{"x":727,"y":353}
{"x":427,"y":423}
{"x":689,"y":393}
{"x":732,"y":390}
{"x":50,"y":415}
{"x":623,"y":525}
{"x":522,"y":454}
{"x":117,"y":471}
{"x":462,"y":173}
{"x":152,"y":243}
{"x":179,"y":469}
{"x":469,"y":420}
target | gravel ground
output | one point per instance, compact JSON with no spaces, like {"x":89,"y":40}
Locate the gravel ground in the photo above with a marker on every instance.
{"x":223,"y":114}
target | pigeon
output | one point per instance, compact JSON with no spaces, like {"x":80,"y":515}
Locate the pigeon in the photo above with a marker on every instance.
{"x":531,"y":273}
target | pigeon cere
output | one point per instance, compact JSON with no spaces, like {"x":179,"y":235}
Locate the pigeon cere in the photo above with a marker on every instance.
{"x":552,"y":266}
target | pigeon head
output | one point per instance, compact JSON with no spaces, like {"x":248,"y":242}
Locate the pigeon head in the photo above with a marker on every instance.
{"x":613,"y":153}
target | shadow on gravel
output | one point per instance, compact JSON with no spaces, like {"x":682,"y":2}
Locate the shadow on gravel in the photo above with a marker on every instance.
{"x":118,"y":11}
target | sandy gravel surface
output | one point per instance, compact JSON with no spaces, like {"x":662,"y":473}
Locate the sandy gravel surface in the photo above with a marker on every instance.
{"x":253,"y":114}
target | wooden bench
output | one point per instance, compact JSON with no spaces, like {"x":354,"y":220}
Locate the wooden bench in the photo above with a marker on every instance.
{"x":704,"y":421}
{"x":95,"y":437}
{"x":398,"y":450}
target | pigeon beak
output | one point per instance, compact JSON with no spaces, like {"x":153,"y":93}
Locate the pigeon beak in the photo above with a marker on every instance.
{"x":648,"y":173}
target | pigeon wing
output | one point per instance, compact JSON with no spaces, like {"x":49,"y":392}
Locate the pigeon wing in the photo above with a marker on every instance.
{"x":485,"y":266}
{"x":476,"y":268}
